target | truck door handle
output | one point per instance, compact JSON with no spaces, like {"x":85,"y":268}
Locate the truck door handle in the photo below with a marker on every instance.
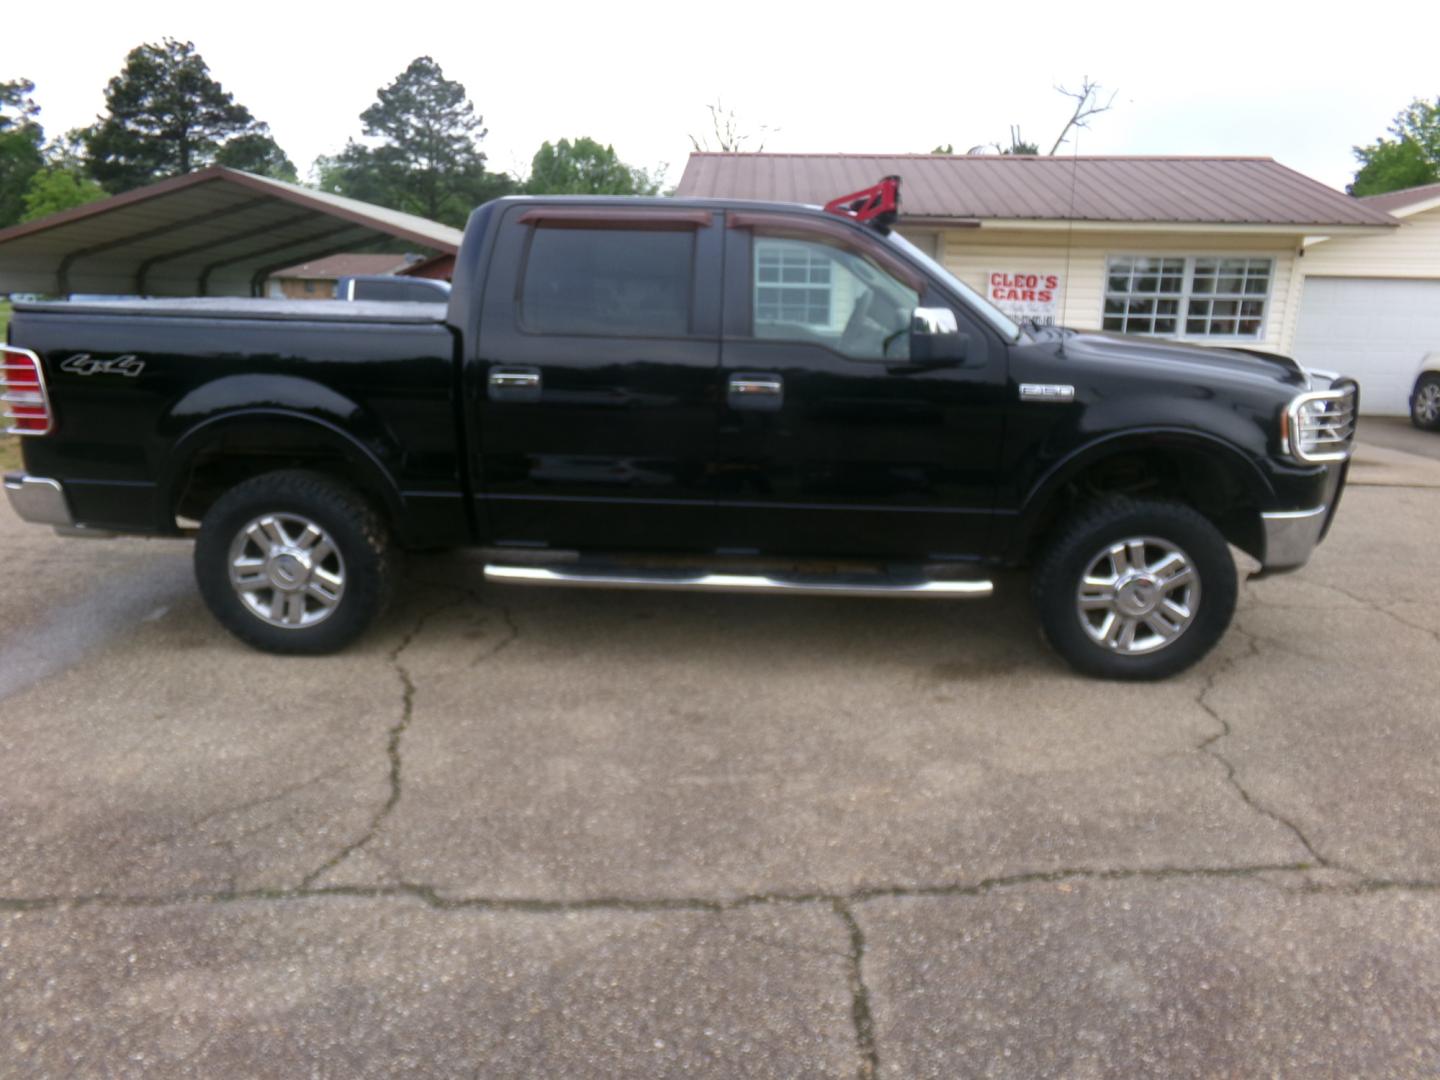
{"x":514,"y":384}
{"x":756,"y":391}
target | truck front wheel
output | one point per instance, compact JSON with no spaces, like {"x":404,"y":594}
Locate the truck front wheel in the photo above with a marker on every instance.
{"x":1135,"y":588}
{"x":293,"y":562}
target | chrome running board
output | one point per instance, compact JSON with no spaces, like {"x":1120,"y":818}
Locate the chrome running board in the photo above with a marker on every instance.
{"x":809,"y":585}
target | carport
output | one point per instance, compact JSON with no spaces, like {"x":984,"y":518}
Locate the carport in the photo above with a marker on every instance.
{"x":216,"y":232}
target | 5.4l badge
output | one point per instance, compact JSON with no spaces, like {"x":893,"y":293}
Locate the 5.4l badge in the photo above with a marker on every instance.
{"x":85,"y":364}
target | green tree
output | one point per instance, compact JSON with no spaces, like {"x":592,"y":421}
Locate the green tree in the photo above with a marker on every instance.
{"x":55,"y":188}
{"x":21,"y":139}
{"x":428,"y":160}
{"x":256,"y":152}
{"x":1409,"y":158}
{"x":165,"y":116}
{"x":584,"y":167}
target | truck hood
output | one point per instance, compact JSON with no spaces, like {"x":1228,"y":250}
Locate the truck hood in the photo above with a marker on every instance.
{"x":1188,"y":361}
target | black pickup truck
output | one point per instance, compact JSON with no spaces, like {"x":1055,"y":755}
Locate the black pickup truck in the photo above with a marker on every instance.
{"x":680,"y":394}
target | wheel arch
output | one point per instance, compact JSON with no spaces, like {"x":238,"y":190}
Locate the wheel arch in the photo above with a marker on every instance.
{"x":1207,"y":472}
{"x":230,"y":447}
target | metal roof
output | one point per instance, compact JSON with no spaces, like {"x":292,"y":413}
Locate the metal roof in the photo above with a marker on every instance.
{"x":216,"y":232}
{"x":347,"y":264}
{"x":1254,"y":191}
{"x":1395,"y":202}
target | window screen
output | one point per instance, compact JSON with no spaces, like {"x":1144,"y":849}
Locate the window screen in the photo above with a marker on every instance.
{"x":609,"y":282}
{"x":1196,"y":297}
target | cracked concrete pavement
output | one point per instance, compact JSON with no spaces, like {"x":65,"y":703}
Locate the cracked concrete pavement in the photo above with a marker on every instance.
{"x":577,"y":833}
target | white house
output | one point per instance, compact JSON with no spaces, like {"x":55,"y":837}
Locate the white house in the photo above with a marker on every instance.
{"x":1371,"y":304}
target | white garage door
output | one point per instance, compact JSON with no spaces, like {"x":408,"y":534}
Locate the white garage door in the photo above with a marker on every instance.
{"x":1376,"y":329}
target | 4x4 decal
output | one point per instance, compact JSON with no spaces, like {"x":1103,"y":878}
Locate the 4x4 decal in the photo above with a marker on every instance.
{"x":85,"y":364}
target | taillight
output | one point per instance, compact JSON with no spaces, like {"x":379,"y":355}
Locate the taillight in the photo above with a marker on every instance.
{"x":24,"y":404}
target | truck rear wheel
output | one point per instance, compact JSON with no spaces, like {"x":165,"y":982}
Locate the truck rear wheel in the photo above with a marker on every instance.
{"x":1135,"y":588}
{"x":293,"y":562}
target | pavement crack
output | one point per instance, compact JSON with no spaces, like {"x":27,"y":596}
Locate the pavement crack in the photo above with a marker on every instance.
{"x":511,"y":636}
{"x":1381,"y":609}
{"x":393,"y":741}
{"x":1209,"y":746}
{"x":433,"y":896}
{"x":860,"y":1014}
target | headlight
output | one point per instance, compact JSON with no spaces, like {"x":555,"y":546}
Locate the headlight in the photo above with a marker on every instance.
{"x":1320,"y":426}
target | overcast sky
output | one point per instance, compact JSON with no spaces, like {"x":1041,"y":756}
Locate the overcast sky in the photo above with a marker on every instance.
{"x":1300,"y":83}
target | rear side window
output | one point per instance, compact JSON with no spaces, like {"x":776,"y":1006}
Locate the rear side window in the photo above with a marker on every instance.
{"x":608,"y":282}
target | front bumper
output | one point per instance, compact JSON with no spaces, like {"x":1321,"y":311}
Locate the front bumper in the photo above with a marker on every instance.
{"x":1291,"y":536}
{"x":39,"y":500}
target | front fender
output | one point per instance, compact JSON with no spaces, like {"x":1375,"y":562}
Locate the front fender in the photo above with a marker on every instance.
{"x":1238,"y":467}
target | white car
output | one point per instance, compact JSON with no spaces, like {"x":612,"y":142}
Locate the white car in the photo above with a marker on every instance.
{"x":1425,"y":398}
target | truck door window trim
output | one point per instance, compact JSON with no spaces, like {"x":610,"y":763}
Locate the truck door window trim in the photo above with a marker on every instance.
{"x":832,"y":232}
{"x":616,"y":217}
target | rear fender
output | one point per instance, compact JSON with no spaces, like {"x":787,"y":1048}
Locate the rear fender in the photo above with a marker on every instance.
{"x":282,"y":412}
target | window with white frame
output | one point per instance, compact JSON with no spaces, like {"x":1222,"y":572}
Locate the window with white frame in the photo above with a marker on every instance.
{"x":792,"y":283}
{"x":1200,"y":296}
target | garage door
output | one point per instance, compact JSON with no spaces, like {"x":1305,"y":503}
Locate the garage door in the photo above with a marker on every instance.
{"x":1376,"y":329}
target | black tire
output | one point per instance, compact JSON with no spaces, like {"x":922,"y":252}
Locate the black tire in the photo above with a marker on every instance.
{"x":1087,"y":536}
{"x":1425,"y":403}
{"x":354,"y":543}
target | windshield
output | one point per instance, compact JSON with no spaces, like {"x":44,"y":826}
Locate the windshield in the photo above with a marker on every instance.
{"x":1008,"y":328}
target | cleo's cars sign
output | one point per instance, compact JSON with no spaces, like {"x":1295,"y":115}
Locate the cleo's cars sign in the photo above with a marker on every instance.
{"x":1023,"y":295}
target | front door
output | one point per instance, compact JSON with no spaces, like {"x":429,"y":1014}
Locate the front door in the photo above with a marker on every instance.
{"x":831,"y":441}
{"x":598,"y":358}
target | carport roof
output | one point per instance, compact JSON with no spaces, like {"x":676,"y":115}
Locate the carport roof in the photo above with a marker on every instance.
{"x":215,"y":232}
{"x":1224,"y":191}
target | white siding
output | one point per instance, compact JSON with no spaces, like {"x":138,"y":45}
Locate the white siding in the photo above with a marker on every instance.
{"x":971,"y":254}
{"x":1411,"y":251}
{"x":1377,"y":329}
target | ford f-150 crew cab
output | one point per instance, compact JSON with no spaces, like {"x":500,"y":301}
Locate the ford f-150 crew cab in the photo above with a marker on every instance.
{"x":680,"y":394}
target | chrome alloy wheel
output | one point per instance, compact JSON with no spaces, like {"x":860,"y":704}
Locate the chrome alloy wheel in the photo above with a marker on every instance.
{"x":1138,"y":595}
{"x":287,"y":570}
{"x":1427,"y":403}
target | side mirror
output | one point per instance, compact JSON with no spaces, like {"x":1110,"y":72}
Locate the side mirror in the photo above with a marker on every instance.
{"x":935,"y":337}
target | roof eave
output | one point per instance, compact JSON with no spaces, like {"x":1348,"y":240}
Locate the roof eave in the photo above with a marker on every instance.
{"x":1415,"y":208}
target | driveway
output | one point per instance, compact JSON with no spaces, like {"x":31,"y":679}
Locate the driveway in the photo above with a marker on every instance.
{"x":1398,"y":433}
{"x":546,"y":833}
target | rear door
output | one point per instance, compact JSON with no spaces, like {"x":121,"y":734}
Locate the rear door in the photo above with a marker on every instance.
{"x":831,"y":441}
{"x":599,"y":353}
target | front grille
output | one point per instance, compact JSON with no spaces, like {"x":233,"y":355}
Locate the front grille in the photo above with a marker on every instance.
{"x":1320,"y":426}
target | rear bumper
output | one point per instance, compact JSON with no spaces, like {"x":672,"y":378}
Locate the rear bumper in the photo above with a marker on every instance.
{"x":39,"y":500}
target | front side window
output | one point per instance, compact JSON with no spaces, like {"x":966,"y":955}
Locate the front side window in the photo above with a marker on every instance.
{"x":1196,"y":296}
{"x":809,"y":291}
{"x":608,"y":282}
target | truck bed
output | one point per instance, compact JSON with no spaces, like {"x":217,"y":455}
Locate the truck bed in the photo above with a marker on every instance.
{"x":144,"y":392}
